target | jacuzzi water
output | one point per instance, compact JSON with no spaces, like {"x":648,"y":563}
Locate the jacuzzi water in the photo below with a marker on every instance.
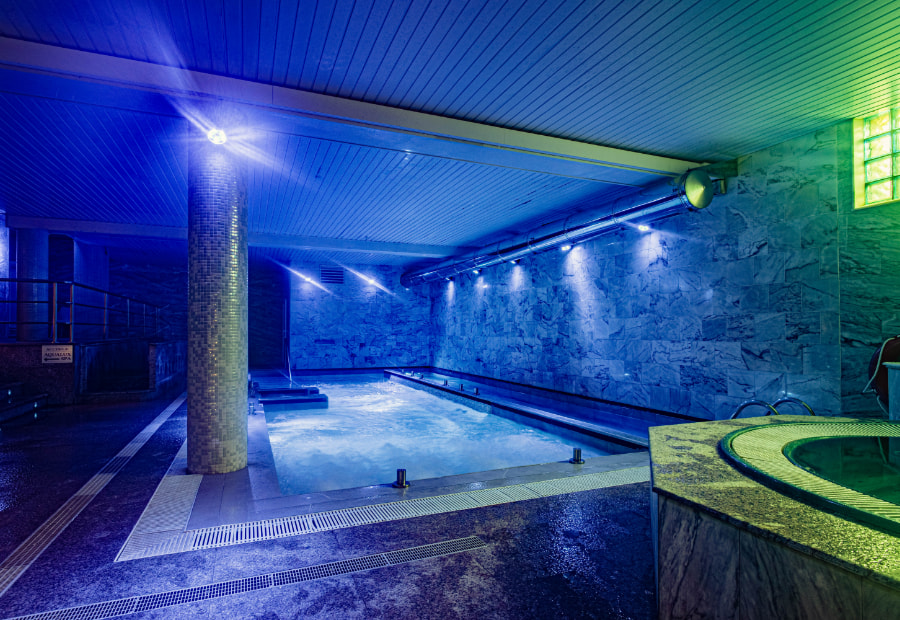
{"x":870,"y":465}
{"x":371,"y":428}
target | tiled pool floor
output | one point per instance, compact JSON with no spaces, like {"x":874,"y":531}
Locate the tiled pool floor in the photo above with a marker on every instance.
{"x":577,"y":555}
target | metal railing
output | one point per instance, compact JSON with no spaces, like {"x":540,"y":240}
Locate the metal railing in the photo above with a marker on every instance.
{"x":771,"y":407}
{"x":68,"y":309}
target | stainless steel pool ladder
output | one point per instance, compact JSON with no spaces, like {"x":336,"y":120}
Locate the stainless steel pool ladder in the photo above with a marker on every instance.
{"x":771,"y":406}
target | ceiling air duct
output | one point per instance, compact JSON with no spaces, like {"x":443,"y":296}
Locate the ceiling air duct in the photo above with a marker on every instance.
{"x":691,"y":190}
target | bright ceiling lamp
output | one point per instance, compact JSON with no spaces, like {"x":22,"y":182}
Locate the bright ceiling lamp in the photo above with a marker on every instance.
{"x":217,"y":136}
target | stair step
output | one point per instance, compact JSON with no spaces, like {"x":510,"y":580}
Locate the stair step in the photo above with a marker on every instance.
{"x":11,"y":389}
{"x":21,"y":406}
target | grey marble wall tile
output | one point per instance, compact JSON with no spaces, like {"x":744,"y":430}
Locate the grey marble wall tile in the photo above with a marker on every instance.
{"x":863,"y":258}
{"x":751,"y":242}
{"x":714,"y":328}
{"x":703,"y":380}
{"x":741,"y":383}
{"x":822,"y":359}
{"x":771,"y":356}
{"x":821,"y":393}
{"x":770,"y":386}
{"x":803,"y":327}
{"x":801,"y":265}
{"x":820,"y":295}
{"x":697,"y":563}
{"x":741,"y":327}
{"x":818,"y":231}
{"x":660,"y":374}
{"x":769,"y":326}
{"x":778,"y":582}
{"x":754,"y":298}
{"x":829,"y":261}
{"x":785,"y":297}
{"x":768,"y":268}
{"x":783,"y":237}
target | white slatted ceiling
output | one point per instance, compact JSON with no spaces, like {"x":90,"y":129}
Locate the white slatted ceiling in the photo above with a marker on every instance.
{"x":70,"y":161}
{"x":327,"y":189}
{"x":702,"y":80}
{"x":65,"y":160}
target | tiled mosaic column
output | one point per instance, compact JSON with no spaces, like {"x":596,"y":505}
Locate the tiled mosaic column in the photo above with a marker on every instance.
{"x":217,"y":309}
{"x":32,"y":263}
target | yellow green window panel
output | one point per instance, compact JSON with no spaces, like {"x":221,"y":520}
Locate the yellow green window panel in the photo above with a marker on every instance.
{"x":876,"y":158}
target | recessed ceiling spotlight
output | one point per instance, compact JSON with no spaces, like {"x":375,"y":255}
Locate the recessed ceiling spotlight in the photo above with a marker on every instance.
{"x":217,"y":136}
{"x":643,"y":227}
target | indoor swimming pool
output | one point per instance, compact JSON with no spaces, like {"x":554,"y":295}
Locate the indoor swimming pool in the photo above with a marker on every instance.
{"x":372,"y":427}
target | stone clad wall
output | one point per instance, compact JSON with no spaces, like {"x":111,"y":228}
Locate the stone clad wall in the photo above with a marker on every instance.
{"x":870,"y":282}
{"x":740,"y":300}
{"x":357,"y":325}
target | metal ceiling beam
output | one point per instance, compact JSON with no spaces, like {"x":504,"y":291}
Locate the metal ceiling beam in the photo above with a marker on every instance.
{"x":256,"y":239}
{"x":162,"y":89}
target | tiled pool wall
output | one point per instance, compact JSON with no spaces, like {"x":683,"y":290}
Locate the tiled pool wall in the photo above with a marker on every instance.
{"x":749,"y":298}
{"x":778,"y":287}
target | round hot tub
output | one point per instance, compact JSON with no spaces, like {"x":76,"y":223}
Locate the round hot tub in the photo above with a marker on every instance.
{"x":848,"y":469}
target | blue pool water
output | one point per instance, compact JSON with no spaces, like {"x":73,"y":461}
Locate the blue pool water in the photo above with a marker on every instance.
{"x":373,"y":427}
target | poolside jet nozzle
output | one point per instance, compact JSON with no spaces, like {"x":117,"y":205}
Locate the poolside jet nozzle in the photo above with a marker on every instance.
{"x":576,"y":457}
{"x":401,"y":482}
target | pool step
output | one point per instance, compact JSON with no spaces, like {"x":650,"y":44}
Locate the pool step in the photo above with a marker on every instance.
{"x":15,"y":402}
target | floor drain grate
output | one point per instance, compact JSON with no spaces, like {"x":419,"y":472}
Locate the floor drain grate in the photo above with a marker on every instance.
{"x":148,"y":602}
{"x":138,"y":546}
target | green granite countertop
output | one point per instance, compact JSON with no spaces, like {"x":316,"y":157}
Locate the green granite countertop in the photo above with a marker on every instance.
{"x":686,"y":465}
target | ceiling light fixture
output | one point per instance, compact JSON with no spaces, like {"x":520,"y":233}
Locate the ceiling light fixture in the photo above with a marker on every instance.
{"x":216,"y":136}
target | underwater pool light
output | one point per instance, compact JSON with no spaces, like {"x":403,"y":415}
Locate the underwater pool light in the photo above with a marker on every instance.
{"x":643,"y":227}
{"x":476,"y":271}
{"x":216,"y":136}
{"x":566,"y":248}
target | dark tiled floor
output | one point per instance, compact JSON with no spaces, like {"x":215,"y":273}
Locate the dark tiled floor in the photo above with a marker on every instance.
{"x":583,"y":555}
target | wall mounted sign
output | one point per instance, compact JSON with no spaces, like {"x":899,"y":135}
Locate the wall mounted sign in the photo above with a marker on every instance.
{"x":56,"y":353}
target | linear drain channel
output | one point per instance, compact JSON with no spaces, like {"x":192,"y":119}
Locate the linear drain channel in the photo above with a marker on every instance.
{"x":143,"y":543}
{"x":147,"y":602}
